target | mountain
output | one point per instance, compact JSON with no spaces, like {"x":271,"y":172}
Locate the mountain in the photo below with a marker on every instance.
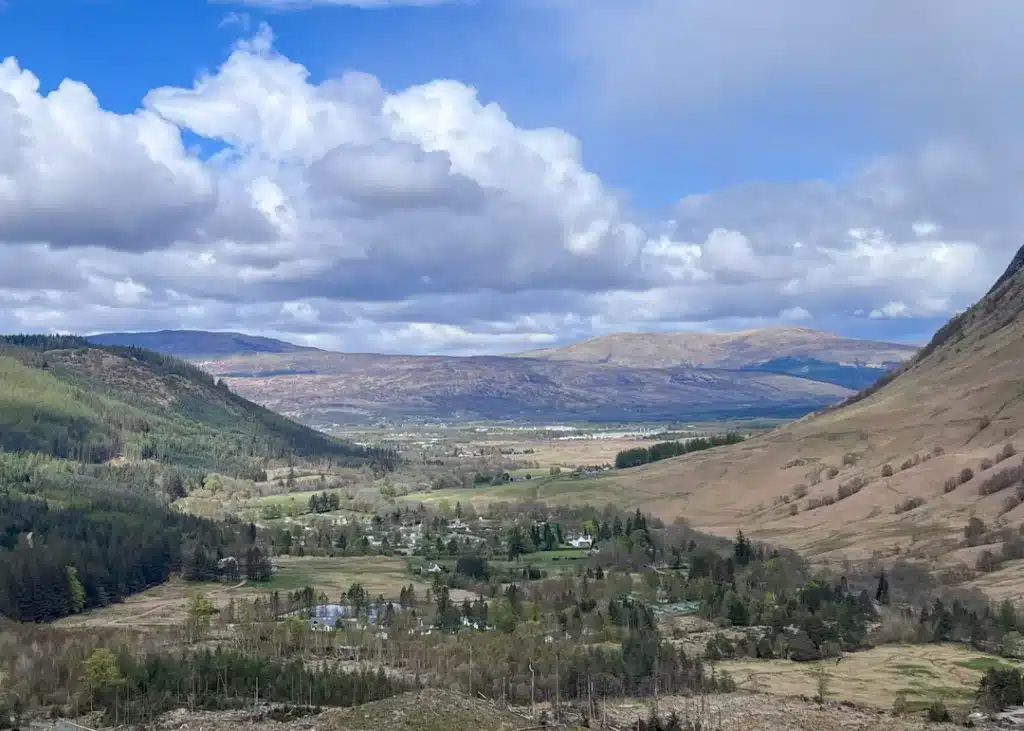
{"x":892,"y":458}
{"x":339,"y":387}
{"x":71,"y":399}
{"x":197,"y":343}
{"x":797,"y":351}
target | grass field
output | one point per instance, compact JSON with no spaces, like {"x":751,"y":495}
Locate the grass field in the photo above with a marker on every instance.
{"x":166,"y":604}
{"x":875,"y":677}
{"x":596,"y":490}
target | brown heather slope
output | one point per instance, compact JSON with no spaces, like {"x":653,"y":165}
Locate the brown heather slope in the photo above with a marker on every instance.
{"x":328,"y":386}
{"x":725,"y":350}
{"x":962,"y":395}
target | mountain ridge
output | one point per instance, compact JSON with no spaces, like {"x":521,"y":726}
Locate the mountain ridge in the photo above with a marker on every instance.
{"x":748,"y":375}
{"x":191,"y":344}
{"x":67,"y":398}
{"x":737,"y":349}
{"x":317,"y":385}
{"x":895,"y":470}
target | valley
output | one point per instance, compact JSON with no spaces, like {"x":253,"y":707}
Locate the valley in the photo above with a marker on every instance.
{"x":855,"y":567}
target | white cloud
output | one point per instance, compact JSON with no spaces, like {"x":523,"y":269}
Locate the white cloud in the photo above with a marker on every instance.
{"x":795,"y":314}
{"x":891,"y":309}
{"x":424,"y":219}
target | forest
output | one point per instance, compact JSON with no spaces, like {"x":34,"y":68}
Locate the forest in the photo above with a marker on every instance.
{"x":65,"y":397}
{"x":664,"y":450}
{"x":60,"y":560}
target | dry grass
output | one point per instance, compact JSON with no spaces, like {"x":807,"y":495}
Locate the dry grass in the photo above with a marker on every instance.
{"x":756,"y":712}
{"x":943,"y":401}
{"x":167,"y":604}
{"x":872,"y":678}
{"x":428,"y":710}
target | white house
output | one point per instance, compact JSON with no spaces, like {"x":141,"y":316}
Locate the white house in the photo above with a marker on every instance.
{"x":581,"y":542}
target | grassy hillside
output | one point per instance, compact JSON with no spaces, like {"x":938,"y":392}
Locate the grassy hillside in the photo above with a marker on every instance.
{"x":70,"y":399}
{"x":898,"y":470}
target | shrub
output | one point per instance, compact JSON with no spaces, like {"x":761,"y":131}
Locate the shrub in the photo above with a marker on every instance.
{"x":1013,"y":548}
{"x":795,"y":462}
{"x":950,"y":485}
{"x":800,"y":491}
{"x":1001,"y":480}
{"x":910,"y":462}
{"x":974,"y":531}
{"x":938,"y":713}
{"x":938,"y":451}
{"x":819,"y":502}
{"x":987,"y":562}
{"x":907,"y":505}
{"x":1011,"y":503}
{"x":966,"y":475}
{"x":1001,"y":688}
{"x":887,"y":470}
{"x":832,"y":472}
{"x":849,"y":459}
{"x":852,"y":487}
{"x":901,"y":706}
{"x":986,"y":464}
{"x":794,"y":509}
{"x":1006,"y":452}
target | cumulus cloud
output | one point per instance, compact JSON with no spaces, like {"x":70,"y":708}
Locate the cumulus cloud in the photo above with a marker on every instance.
{"x":344,"y":214}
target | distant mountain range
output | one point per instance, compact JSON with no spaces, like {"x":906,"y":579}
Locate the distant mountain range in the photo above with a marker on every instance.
{"x":778,"y":372}
{"x":795,"y":351}
{"x":192,"y":344}
{"x":897,"y":470}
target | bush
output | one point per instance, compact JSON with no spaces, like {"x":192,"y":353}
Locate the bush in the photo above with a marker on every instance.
{"x":796,"y":462}
{"x":986,"y":464}
{"x":802,"y":648}
{"x":938,"y":713}
{"x":849,"y":459}
{"x":938,"y":451}
{"x":819,"y":502}
{"x":901,"y":706}
{"x":974,"y":531}
{"x":1001,"y":688}
{"x":800,"y":491}
{"x":887,"y":470}
{"x":831,"y":472}
{"x":1006,"y":452}
{"x":966,"y":475}
{"x":850,"y":488}
{"x":1010,"y":503}
{"x":950,"y":485}
{"x":907,"y":505}
{"x":1001,"y":480}
{"x":794,"y":509}
{"x":987,"y":562}
{"x":910,"y":462}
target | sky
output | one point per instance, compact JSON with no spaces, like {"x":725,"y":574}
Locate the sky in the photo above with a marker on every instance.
{"x":489,"y":176}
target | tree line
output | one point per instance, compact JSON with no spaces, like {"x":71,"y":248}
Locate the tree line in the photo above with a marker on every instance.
{"x":664,"y":450}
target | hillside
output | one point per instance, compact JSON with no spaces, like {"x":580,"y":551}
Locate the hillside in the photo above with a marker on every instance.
{"x":797,"y":351}
{"x":890,"y":458}
{"x":340,"y":387}
{"x":197,"y":343}
{"x":66,"y":398}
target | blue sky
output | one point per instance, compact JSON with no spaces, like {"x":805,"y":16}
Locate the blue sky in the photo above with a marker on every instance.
{"x":123,"y":48}
{"x":660,"y":164}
